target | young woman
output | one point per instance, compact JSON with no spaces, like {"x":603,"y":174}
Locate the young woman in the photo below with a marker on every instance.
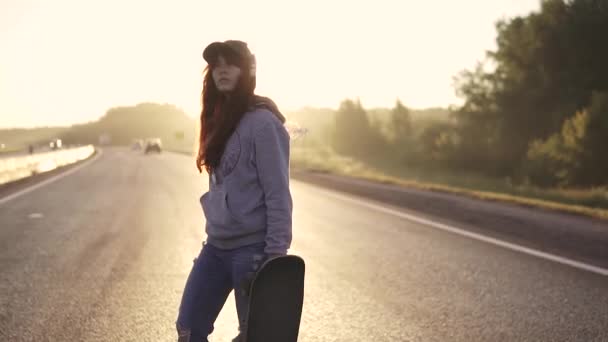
{"x":244,"y":147}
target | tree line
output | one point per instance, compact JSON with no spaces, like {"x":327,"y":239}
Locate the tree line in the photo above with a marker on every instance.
{"x":535,"y":111}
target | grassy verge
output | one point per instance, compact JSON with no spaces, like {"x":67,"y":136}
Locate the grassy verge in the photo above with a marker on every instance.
{"x":10,"y":150}
{"x":588,"y":202}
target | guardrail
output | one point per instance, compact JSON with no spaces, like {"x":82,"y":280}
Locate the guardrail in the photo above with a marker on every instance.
{"x":15,"y":168}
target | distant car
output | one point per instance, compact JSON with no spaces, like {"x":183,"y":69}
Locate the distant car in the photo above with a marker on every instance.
{"x":153,"y":145}
{"x":55,"y":144}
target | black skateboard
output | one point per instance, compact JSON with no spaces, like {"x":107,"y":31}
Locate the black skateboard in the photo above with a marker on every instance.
{"x":275,"y":302}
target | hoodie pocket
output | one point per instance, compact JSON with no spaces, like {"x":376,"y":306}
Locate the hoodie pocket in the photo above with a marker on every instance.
{"x":215,"y":207}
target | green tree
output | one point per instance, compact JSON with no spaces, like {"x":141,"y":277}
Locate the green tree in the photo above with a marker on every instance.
{"x":576,"y":155}
{"x":400,"y":124}
{"x":546,"y":66}
{"x":557,"y":160}
{"x":145,"y":120}
{"x":595,"y":159}
{"x":352,"y":128}
{"x":436,"y":144}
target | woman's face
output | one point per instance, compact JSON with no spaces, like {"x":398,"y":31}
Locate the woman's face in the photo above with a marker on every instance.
{"x":225,"y":76}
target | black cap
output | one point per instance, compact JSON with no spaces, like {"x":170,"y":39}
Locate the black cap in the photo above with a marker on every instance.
{"x":235,"y":46}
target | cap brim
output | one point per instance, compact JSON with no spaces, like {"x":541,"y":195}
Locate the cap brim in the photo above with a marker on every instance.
{"x":213,"y":50}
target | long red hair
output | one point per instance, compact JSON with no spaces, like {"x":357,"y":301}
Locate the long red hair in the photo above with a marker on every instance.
{"x":220,"y":114}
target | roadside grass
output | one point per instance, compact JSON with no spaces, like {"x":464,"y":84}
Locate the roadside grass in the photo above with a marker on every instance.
{"x":10,"y":149}
{"x":587,"y":202}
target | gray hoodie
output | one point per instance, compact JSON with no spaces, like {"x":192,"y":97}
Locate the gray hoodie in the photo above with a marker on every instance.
{"x":249,"y":200}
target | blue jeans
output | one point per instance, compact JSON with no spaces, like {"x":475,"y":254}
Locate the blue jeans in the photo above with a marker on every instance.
{"x":214,"y":274}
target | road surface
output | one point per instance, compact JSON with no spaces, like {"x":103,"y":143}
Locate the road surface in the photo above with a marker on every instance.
{"x":103,"y":253}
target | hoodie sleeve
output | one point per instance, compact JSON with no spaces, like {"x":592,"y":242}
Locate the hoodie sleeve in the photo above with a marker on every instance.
{"x":272,"y":159}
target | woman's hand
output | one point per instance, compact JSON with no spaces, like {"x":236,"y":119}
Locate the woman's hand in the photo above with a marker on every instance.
{"x":248,"y":279}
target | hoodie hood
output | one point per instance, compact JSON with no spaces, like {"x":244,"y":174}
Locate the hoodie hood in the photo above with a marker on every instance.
{"x":267,"y":103}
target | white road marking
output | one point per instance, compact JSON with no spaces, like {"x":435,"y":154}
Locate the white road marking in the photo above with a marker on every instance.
{"x":471,"y":235}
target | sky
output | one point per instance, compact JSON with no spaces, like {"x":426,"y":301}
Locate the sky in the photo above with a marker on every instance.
{"x":69,"y":61}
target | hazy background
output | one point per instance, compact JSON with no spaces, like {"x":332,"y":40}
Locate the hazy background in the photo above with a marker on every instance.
{"x":68,"y":61}
{"x":464,"y":140}
{"x":501,"y":95}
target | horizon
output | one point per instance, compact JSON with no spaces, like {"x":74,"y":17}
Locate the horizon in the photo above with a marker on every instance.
{"x":119,"y":57}
{"x":285,"y":112}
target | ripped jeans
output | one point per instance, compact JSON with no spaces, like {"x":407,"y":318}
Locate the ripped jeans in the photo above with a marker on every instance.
{"x":215,"y":273}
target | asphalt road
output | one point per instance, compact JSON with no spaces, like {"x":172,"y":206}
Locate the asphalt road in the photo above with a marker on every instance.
{"x":103,"y":253}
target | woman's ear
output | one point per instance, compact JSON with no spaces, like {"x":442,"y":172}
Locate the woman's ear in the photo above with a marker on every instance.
{"x":252,"y":70}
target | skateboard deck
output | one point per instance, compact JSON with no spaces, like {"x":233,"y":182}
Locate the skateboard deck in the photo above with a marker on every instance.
{"x":275,"y":302}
